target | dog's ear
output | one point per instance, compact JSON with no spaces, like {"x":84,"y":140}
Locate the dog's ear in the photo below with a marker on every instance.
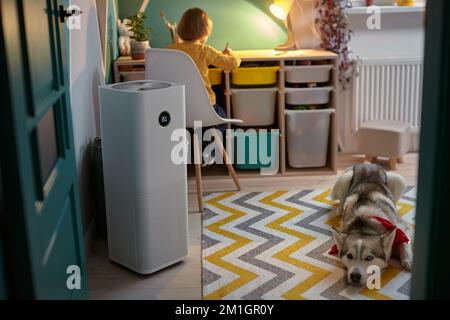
{"x":339,"y":238}
{"x":342,"y":185}
{"x":396,"y":183}
{"x":387,"y":241}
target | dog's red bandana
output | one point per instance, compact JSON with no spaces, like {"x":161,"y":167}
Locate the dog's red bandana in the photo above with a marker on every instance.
{"x":400,"y":235}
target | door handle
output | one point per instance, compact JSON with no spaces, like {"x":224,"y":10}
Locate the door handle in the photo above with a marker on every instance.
{"x":63,"y":13}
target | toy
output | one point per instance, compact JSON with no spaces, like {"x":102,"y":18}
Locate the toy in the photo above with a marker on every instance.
{"x":124,"y":37}
{"x":172,"y":28}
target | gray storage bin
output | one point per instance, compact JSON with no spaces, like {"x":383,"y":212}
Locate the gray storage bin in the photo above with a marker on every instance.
{"x":307,"y":137}
{"x":256,"y":107}
{"x":320,"y":95}
{"x":308,"y":74}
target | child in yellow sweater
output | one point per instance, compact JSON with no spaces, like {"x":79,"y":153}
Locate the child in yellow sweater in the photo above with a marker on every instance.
{"x":194,"y":29}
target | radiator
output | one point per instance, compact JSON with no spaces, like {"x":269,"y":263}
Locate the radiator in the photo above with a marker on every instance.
{"x":388,"y":89}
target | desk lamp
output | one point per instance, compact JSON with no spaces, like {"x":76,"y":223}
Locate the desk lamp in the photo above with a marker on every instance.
{"x":280,"y":9}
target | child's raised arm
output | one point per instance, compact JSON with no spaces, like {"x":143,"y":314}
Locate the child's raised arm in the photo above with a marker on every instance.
{"x":226,"y":61}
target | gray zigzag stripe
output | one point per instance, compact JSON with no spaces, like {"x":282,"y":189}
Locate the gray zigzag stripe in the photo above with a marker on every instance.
{"x":209,"y":276}
{"x":208,"y":242}
{"x":306,"y":223}
{"x":408,"y":198}
{"x":272,"y":240}
{"x":332,"y":292}
{"x":208,"y":214}
{"x":404,"y":197}
{"x":406,"y":288}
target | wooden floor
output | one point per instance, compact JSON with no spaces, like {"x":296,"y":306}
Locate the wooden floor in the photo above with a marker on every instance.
{"x":183,"y":281}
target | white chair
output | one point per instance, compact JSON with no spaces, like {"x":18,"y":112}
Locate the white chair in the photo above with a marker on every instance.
{"x":178,"y":67}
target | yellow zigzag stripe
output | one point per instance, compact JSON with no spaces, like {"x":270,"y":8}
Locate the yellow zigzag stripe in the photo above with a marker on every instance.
{"x":323,"y":198}
{"x":245,"y":276}
{"x":335,"y":221}
{"x":389,"y":274}
{"x":285,"y":254}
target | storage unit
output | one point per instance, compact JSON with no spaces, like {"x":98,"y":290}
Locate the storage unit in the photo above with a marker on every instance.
{"x":307,"y":137}
{"x":256,"y":149}
{"x":254,"y":76}
{"x":145,"y":191}
{"x":308,"y":74}
{"x":308,"y":96}
{"x":215,"y":76}
{"x":317,"y":66}
{"x":256,"y":107}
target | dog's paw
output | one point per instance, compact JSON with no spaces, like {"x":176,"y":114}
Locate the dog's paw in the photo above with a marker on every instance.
{"x":406,"y":263}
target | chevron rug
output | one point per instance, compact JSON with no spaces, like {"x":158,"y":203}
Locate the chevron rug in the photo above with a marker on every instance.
{"x":274,"y":245}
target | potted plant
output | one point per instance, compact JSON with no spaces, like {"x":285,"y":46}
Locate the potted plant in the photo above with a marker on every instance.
{"x":140,"y":35}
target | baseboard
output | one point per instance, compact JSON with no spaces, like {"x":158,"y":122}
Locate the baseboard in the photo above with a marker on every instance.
{"x":90,"y":236}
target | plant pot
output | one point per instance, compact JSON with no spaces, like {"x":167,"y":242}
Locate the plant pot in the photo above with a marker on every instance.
{"x":138,"y":49}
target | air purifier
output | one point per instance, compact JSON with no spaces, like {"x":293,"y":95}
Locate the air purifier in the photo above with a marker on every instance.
{"x":145,"y":191}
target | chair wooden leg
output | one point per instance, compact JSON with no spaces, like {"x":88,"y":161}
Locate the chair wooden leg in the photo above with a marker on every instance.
{"x":198,"y":173}
{"x":401,"y":160}
{"x":393,"y":164}
{"x":226,"y":158}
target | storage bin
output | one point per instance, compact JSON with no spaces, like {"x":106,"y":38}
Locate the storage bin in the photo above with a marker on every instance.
{"x":308,"y":74}
{"x":256,"y":107}
{"x":215,"y":76}
{"x":296,"y":96}
{"x":307,"y":137}
{"x":254,"y":76}
{"x":253,"y":148}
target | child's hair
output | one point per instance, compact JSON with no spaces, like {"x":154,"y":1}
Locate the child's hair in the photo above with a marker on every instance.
{"x":194,"y":25}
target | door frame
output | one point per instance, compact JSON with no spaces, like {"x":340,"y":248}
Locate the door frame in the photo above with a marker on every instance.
{"x":431,"y":272}
{"x":17,"y":232}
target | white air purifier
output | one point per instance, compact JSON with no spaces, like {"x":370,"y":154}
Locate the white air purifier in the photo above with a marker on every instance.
{"x":145,"y":191}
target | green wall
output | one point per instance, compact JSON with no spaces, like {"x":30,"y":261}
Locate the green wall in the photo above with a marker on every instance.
{"x":112,"y":50}
{"x":245,"y":24}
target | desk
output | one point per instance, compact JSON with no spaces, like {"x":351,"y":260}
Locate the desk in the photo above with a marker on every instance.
{"x":127,"y":69}
{"x":281,"y":58}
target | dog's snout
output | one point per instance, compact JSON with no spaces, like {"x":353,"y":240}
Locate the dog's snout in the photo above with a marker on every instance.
{"x":355,"y":276}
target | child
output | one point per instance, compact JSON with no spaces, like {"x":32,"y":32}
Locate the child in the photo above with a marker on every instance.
{"x":194,"y":29}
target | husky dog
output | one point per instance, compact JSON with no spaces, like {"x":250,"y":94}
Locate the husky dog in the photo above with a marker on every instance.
{"x":370,"y":225}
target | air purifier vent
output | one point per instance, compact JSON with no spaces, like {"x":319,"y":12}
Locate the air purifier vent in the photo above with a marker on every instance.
{"x":141,"y":86}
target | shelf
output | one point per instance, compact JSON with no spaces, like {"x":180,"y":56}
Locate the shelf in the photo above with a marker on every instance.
{"x":388,"y":9}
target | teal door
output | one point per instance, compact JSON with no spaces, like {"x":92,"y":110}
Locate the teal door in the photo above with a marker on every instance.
{"x":42,"y":242}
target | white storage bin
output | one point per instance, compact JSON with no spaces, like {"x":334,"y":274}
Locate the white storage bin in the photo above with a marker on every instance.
{"x":256,"y":107}
{"x":308,"y":74}
{"x":296,"y":96}
{"x":307,"y":137}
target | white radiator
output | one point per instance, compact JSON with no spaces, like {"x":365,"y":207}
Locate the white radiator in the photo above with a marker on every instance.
{"x":388,"y":89}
